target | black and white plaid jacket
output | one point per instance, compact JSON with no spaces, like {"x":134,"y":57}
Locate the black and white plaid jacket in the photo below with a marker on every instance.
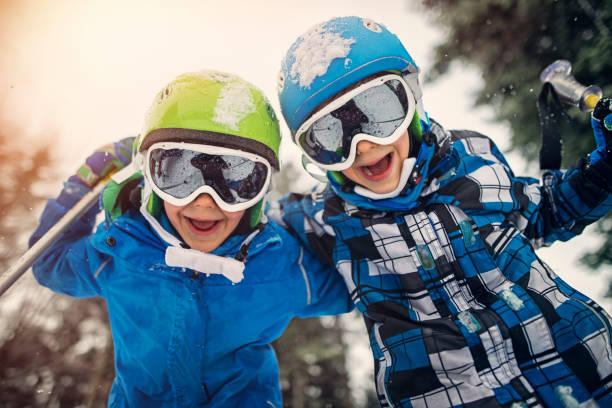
{"x":459,"y":308}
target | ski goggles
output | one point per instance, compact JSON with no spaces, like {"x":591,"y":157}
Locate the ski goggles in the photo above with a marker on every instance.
{"x":179,"y":172}
{"x":379,"y":110}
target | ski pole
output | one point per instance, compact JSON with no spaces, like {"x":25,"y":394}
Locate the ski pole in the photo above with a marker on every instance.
{"x":8,"y":278}
{"x":569,"y":90}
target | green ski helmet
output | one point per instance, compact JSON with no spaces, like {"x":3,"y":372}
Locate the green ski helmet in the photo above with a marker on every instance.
{"x":213,"y":108}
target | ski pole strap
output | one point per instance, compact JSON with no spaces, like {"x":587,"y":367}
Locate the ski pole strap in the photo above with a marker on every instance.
{"x":549,"y":111}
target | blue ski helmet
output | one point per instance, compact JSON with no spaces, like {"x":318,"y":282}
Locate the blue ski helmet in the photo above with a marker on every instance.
{"x":334,"y":55}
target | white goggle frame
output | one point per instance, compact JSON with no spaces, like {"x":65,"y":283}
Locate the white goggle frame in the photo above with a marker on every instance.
{"x":336,"y":103}
{"x":212,"y":150}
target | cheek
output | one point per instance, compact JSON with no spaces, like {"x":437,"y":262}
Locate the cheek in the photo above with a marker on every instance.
{"x":403,"y":146}
{"x":234,"y":215}
{"x":350,"y":173}
{"x":233,"y":218}
{"x":172,"y":212}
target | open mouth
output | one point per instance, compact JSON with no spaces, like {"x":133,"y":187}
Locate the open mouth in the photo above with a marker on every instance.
{"x":202,"y":226}
{"x":379,"y":169}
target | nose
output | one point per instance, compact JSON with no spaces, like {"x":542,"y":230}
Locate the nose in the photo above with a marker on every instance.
{"x":204,"y":200}
{"x":365,"y":146}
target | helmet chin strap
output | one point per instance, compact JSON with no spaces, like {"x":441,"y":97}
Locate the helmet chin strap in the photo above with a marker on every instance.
{"x":407,"y":167}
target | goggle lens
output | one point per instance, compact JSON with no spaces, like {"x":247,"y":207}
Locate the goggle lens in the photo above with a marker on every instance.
{"x":377,"y":111}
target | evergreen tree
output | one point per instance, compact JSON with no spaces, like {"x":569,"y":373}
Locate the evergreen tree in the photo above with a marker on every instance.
{"x":55,"y":350}
{"x":20,"y":170}
{"x":311,"y":355}
{"x":511,"y":42}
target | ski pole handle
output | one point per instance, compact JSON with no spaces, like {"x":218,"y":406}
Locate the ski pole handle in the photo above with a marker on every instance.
{"x":8,"y":278}
{"x":569,"y":90}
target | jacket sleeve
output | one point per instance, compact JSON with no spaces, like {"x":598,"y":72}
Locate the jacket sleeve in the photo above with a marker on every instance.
{"x":324,"y":289}
{"x":571,"y":201}
{"x":562,"y":204}
{"x":69,"y":265}
{"x":301,"y":215}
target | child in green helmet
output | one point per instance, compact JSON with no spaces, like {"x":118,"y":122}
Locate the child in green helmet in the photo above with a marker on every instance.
{"x":197,"y":281}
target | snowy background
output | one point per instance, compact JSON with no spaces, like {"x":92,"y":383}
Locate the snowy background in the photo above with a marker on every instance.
{"x":80,"y":74}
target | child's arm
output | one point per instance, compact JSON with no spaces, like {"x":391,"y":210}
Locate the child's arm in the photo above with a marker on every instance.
{"x":325,"y":290}
{"x":580,"y":196}
{"x":69,"y":265}
{"x":296,"y":213}
{"x":571,"y":200}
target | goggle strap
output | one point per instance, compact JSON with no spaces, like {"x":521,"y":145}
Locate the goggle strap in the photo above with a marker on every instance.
{"x":255,"y":213}
{"x":412,"y":79}
{"x":318,"y":177}
{"x":125,"y":173}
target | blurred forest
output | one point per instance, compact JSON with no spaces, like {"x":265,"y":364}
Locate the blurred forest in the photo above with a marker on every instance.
{"x":47,"y":341}
{"x":510,"y":42}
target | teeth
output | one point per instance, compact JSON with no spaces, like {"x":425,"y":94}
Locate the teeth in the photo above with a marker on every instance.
{"x":367,"y":171}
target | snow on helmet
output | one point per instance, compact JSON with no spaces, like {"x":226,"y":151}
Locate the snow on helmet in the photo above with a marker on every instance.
{"x":334,"y":55}
{"x":213,"y":108}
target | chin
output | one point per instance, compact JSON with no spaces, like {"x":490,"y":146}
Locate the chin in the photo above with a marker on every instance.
{"x":381,"y":190}
{"x":381,"y":187}
{"x":209,"y":247}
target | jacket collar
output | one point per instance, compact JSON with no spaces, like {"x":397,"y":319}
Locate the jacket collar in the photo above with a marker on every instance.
{"x":227,"y":260}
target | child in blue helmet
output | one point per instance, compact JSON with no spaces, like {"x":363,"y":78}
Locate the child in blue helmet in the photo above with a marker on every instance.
{"x":197,"y":282}
{"x":435,"y":236}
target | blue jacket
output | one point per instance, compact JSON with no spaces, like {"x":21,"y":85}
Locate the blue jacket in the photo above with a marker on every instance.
{"x":181,"y":338}
{"x":459,"y":308}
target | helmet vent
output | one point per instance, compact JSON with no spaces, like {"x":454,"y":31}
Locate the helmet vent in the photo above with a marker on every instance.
{"x":164,"y":93}
{"x":371,"y":25}
{"x":270,"y":111}
{"x":281,"y":82}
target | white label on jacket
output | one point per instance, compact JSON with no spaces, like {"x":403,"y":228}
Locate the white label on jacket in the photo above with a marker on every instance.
{"x":205,"y":263}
